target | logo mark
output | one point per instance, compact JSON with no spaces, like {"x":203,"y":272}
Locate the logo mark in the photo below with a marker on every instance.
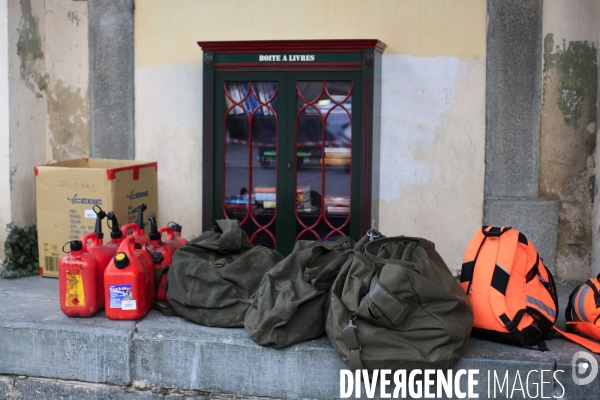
{"x":579,"y":367}
{"x":83,"y":200}
{"x":138,"y":195}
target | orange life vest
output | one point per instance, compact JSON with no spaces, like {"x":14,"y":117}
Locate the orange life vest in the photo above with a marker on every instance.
{"x":583,"y":310}
{"x":512,"y":292}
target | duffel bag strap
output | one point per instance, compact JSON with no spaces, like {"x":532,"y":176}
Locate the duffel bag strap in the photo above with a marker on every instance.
{"x":375,"y":244}
{"x":395,"y":310}
{"x":351,"y":340}
{"x":233,"y":240}
{"x":327,"y":274}
{"x":316,"y":257}
{"x":165,"y":308}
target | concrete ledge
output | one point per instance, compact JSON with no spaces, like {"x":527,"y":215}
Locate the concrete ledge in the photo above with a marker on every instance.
{"x":88,"y":354}
{"x":178,"y":353}
{"x":51,"y":389}
{"x":37,"y":388}
{"x":37,"y":339}
{"x":563,"y":351}
{"x":7,"y":385}
{"x":169,"y":357}
{"x":537,"y":219}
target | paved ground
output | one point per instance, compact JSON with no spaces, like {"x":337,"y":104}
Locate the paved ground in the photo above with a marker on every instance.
{"x":161,"y":353}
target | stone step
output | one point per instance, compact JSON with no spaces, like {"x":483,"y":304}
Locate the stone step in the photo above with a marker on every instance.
{"x":158,"y":356}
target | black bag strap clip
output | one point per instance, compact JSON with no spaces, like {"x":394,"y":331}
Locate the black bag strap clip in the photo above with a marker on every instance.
{"x":353,"y":344}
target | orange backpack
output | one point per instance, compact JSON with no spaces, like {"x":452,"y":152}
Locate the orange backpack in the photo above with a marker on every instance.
{"x":513,"y":294}
{"x":511,"y":291}
{"x":583,"y":309}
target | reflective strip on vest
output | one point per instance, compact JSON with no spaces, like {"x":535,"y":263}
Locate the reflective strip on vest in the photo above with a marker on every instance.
{"x":581,"y":303}
{"x":549,"y":310}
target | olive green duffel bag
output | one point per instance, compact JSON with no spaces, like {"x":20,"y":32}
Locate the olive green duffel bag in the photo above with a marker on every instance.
{"x":290,"y":305}
{"x":212,"y":277}
{"x":395,"y":305}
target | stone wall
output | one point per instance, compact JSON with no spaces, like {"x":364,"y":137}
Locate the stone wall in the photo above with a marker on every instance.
{"x":569,"y":128}
{"x":514,"y":68}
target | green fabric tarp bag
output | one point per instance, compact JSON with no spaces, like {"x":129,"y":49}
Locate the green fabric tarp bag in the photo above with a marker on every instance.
{"x":212,"y":277}
{"x":291,"y":304}
{"x":395,"y":305}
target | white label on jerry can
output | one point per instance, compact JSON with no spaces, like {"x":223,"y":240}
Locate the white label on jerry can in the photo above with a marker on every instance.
{"x":128,"y":305}
{"x":120,"y":295}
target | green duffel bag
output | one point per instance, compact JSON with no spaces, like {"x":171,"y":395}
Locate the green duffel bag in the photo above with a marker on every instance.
{"x":395,"y":305}
{"x":290,"y":305}
{"x":212,"y":277}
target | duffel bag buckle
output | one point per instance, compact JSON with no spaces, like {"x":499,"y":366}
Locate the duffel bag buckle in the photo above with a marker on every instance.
{"x":350,"y":335}
{"x":372,"y":236}
{"x":351,"y":322}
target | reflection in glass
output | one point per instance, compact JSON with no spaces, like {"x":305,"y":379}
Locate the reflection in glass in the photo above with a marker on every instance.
{"x":250,"y":153}
{"x":323,"y":139}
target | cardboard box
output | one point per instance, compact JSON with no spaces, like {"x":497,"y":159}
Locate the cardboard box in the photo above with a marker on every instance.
{"x":67,"y":191}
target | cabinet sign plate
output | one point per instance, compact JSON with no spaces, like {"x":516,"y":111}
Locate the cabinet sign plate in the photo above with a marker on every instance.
{"x":286,"y":57}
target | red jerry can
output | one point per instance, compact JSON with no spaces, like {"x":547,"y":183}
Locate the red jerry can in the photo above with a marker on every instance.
{"x":103,"y":256}
{"x":162,"y":255}
{"x":116,"y":235}
{"x":173,"y":244}
{"x":127,"y":283}
{"x":140,"y":236}
{"x":176,"y":234}
{"x":78,"y":282}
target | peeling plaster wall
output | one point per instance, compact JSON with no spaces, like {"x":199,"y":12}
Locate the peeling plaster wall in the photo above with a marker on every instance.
{"x":569,"y":128}
{"x":4,"y":127}
{"x":433,"y":96}
{"x":48,"y":80}
{"x":596,"y":207}
{"x":67,"y":67}
{"x":28,"y":105}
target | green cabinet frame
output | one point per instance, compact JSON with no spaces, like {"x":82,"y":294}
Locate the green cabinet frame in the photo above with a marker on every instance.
{"x":288,"y":62}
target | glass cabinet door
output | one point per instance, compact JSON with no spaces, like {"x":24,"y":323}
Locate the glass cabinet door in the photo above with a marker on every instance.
{"x":291,"y":137}
{"x":250,"y":136}
{"x":323,"y":173}
{"x":284,"y":157}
